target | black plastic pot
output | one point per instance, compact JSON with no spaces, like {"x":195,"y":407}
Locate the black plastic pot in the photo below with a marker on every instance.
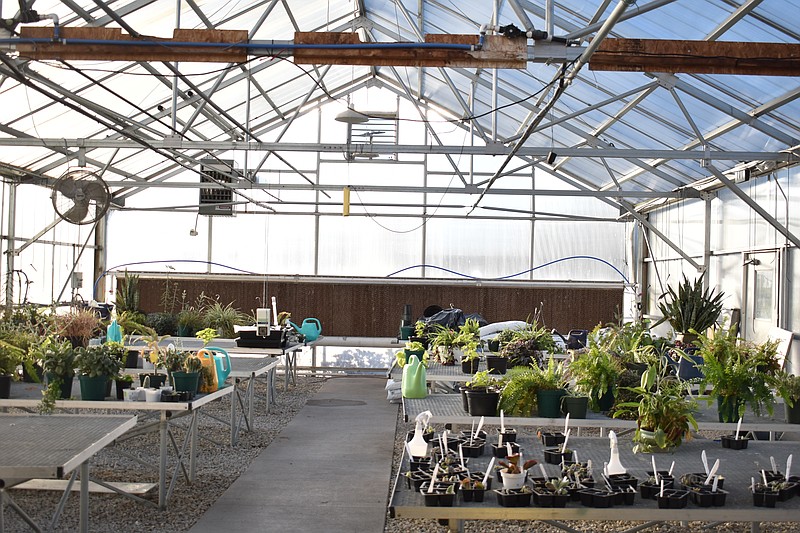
{"x":624,"y":496}
{"x":120,"y":388}
{"x":513,"y":497}
{"x":599,"y":499}
{"x":509,"y":435}
{"x":482,"y":403}
{"x":473,"y":450}
{"x":496,"y":364}
{"x":473,"y":495}
{"x":552,"y":439}
{"x":419,"y":463}
{"x":623,"y":481}
{"x":765,"y":498}
{"x":502,"y":451}
{"x":439,"y":499}
{"x":554,"y":456}
{"x":5,"y":386}
{"x":132,"y":359}
{"x":546,"y":498}
{"x":470,"y":366}
{"x":706,"y":498}
{"x":673,"y":499}
{"x":415,"y":478}
{"x":730,"y":441}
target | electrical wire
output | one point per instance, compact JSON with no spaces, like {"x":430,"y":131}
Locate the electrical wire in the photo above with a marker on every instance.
{"x":572,"y":257}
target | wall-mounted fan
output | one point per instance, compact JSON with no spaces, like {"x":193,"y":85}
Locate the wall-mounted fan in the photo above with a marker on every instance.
{"x":80,"y":196}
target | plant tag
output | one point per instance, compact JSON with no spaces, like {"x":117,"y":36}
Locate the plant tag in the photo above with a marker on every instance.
{"x":705,"y":461}
{"x":488,"y":471}
{"x":774,"y":466}
{"x":433,"y":478}
{"x":655,"y":470}
{"x":502,"y":422}
{"x":541,"y":468}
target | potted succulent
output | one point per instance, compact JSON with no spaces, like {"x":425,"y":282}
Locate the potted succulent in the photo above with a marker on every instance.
{"x":155,"y":354}
{"x":96,"y":365}
{"x":691,"y":310}
{"x":664,"y":415}
{"x":741,"y":373}
{"x":513,"y":474}
{"x":187,"y":379}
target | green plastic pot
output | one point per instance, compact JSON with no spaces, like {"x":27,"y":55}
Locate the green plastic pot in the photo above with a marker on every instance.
{"x":549,"y":402}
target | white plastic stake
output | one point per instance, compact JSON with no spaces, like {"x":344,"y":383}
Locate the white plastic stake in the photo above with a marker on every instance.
{"x":705,"y":461}
{"x":499,"y":439}
{"x":788,"y":467}
{"x":488,"y":471}
{"x":566,"y":424}
{"x":542,"y":470}
{"x":764,"y":476}
{"x":655,"y":470}
{"x":480,"y":426}
{"x":752,"y":485}
{"x":774,"y":466}
{"x":566,"y":438}
{"x":738,"y":427}
{"x":716,"y":482}
{"x":433,"y":478}
{"x":472,"y":433}
{"x":589,"y":466}
{"x":461,"y":455}
{"x":713,"y":471}
{"x":509,"y":449}
{"x":408,"y":450}
{"x":502,"y":422}
{"x":575,"y":456}
{"x":661,"y":493}
{"x":671,"y":467}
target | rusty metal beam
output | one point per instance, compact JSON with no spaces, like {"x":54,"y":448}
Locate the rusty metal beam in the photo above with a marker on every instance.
{"x":700,"y":57}
{"x":111,"y":44}
{"x":497,"y":51}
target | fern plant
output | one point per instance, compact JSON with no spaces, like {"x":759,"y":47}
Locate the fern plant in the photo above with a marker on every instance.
{"x":691,"y":308}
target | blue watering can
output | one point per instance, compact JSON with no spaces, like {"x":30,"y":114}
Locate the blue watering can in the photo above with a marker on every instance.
{"x":310,"y":329}
{"x":222,"y":363}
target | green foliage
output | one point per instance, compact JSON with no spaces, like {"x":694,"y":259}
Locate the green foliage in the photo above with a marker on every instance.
{"x":629,"y":341}
{"x":207,"y":335}
{"x":224,"y":317}
{"x":739,"y":371}
{"x":661,"y":408}
{"x":10,"y":357}
{"x":692,"y":308}
{"x":132,"y":323}
{"x":57,"y":356}
{"x":518,"y":396}
{"x":190,"y":318}
{"x":442,"y":336}
{"x":162,"y":323}
{"x":485,"y":379}
{"x":127,"y":296}
{"x":402,"y":355}
{"x":97,"y":361}
{"x":78,"y":323}
{"x":595,"y":372}
{"x":526,"y":346}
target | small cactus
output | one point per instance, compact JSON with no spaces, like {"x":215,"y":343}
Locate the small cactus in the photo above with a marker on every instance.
{"x":192,"y":363}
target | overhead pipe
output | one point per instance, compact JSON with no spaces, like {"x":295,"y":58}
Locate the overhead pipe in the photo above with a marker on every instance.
{"x":564,"y":82}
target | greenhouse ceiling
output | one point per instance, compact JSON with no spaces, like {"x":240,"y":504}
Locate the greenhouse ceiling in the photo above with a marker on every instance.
{"x":632,"y":139}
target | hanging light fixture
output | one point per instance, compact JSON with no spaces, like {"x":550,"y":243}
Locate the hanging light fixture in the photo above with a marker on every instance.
{"x":351,"y":116}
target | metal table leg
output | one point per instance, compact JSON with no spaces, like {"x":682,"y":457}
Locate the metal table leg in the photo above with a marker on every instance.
{"x":162,"y":461}
{"x":83,"y":522}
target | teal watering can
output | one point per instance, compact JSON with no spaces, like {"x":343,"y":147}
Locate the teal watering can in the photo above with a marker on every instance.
{"x":222,"y":361}
{"x":310,"y":329}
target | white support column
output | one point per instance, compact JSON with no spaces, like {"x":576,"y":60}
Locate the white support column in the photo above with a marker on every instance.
{"x":10,"y":240}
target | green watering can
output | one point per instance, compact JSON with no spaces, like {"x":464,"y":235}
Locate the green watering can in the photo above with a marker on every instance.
{"x":310,"y":329}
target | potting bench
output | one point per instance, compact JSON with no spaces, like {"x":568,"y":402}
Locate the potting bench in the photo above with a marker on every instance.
{"x":51,"y":447}
{"x":737,"y":466}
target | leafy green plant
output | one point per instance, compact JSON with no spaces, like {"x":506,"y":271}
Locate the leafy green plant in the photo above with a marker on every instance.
{"x":518,"y":396}
{"x":595,"y":372}
{"x":484,"y":379}
{"x":162,"y":323}
{"x":664,"y":414}
{"x":691,"y":308}
{"x":412,"y":346}
{"x":522,"y":352}
{"x":10,"y":358}
{"x":190,"y":318}
{"x":788,"y":386}
{"x":207,"y":335}
{"x":741,"y":373}
{"x":96,"y":361}
{"x":225,"y":317}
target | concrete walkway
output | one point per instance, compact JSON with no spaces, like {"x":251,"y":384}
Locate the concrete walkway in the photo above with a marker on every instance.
{"x":328,"y":470}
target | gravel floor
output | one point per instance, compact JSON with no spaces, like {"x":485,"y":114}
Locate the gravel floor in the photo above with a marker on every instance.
{"x":404,"y":525}
{"x":218,"y":466}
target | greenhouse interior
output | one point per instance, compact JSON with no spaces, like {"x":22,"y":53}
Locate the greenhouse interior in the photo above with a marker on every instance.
{"x":492,"y":265}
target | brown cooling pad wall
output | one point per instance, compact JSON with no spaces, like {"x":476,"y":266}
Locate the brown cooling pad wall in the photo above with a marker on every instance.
{"x":375,"y":310}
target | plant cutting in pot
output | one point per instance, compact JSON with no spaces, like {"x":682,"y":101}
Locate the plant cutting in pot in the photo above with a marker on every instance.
{"x":411,"y":348}
{"x":551,"y":388}
{"x":788,"y":386}
{"x":513,"y":474}
{"x":481,"y":394}
{"x":741,"y":373}
{"x":470,"y":358}
{"x":664,"y":415}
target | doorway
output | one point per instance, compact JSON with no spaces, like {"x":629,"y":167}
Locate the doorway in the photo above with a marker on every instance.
{"x":761,"y":289}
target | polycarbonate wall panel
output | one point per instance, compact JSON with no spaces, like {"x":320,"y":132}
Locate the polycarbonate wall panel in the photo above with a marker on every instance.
{"x":361,"y":246}
{"x":270,"y":244}
{"x":478,"y":248}
{"x":579,"y":251}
